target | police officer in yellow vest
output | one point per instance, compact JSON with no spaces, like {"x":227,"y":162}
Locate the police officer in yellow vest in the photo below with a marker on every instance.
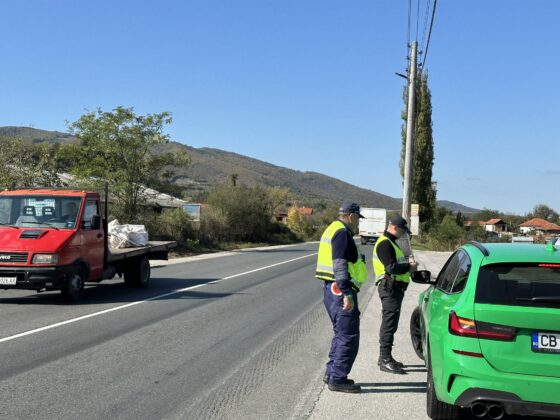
{"x":392,"y":275}
{"x":343,"y":270}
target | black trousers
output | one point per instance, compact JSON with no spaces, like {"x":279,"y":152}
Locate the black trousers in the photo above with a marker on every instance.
{"x":391,"y":293}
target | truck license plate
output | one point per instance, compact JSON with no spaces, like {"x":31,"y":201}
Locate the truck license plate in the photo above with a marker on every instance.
{"x":546,"y":342}
{"x":8,"y":280}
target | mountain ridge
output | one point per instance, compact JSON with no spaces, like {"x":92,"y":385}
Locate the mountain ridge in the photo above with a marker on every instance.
{"x":210,"y":166}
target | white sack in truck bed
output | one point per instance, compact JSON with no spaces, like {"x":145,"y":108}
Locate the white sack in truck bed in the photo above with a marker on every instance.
{"x":126,"y":236}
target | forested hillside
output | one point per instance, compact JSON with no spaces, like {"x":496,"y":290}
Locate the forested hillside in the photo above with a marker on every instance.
{"x":212,"y":166}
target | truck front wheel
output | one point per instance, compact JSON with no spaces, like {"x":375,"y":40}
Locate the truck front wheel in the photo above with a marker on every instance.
{"x":138,"y":274}
{"x":73,"y":289}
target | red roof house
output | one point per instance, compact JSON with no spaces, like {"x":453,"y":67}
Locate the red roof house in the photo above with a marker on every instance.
{"x":540,"y":226}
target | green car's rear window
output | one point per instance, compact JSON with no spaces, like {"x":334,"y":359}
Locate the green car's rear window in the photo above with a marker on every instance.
{"x":519,"y":285}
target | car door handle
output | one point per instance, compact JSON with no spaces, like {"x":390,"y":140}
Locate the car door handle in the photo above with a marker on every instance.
{"x":100,"y":235}
{"x":426,"y":299}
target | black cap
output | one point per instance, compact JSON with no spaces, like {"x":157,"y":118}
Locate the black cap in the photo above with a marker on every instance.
{"x":399,"y":221}
{"x":349,"y":207}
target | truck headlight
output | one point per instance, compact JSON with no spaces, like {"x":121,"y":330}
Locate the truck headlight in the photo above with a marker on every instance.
{"x":45,"y":259}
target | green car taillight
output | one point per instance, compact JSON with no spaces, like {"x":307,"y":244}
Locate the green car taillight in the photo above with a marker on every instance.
{"x":465,"y":327}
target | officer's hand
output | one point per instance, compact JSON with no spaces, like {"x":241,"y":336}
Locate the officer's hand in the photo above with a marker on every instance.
{"x":363,"y":257}
{"x":347,"y":303}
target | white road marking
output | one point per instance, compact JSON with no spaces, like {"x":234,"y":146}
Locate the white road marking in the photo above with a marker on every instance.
{"x":128,"y":305}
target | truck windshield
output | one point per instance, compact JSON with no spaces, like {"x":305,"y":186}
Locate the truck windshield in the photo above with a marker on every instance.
{"x":39,"y":211}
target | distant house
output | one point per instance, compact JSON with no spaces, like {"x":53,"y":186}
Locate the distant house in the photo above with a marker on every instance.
{"x":469,"y":223}
{"x":161,"y":200}
{"x":495,"y":225}
{"x":282,"y":217}
{"x":492,"y":225}
{"x":157,"y":200}
{"x":305,"y":211}
{"x":539,"y":227}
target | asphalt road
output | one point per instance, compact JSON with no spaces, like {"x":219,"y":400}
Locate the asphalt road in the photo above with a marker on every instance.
{"x":226,"y":337}
{"x":240,"y":335}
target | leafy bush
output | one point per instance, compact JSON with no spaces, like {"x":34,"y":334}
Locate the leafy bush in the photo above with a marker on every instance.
{"x":476,"y":233}
{"x":299,"y":224}
{"x":174,"y":225}
{"x":213,"y":226}
{"x":281,"y":234}
{"x":447,"y":235}
{"x":247,"y":211}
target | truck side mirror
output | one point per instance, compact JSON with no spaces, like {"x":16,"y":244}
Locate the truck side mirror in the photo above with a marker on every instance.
{"x":422,"y":277}
{"x":95,"y":221}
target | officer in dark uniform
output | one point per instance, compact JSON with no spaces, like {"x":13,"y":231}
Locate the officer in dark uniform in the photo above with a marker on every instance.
{"x":337,"y":263}
{"x":392,"y":274}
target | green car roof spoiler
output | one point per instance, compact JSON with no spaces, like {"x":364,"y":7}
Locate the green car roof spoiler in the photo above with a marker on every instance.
{"x":480,"y":247}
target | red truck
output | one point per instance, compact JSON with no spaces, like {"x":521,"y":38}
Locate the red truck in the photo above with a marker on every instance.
{"x":56,"y":239}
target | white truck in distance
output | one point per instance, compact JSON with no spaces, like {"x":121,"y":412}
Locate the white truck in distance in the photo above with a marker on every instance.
{"x":373,"y":224}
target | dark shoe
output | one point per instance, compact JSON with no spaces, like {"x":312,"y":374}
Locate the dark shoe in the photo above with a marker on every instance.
{"x":326,"y":379}
{"x":346,"y":387}
{"x":390,"y":366}
{"x":380,"y":361}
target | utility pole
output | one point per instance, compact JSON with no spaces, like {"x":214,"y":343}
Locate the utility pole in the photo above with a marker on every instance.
{"x":407,"y":188}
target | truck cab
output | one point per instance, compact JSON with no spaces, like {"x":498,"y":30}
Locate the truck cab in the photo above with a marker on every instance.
{"x":46,"y":235}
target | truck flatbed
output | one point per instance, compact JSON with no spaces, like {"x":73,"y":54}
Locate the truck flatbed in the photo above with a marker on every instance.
{"x":153,"y":247}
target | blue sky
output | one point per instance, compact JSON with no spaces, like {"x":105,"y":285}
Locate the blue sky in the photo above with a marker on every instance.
{"x":307,"y":84}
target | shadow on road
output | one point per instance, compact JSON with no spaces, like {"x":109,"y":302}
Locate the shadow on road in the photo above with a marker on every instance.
{"x":118,"y":292}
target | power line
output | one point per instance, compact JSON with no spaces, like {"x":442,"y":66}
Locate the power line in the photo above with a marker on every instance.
{"x":408,"y":27}
{"x":417,"y":19}
{"x":425,"y":22}
{"x":429,"y":34}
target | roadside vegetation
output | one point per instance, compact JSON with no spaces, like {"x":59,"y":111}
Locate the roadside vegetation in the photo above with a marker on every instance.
{"x":120,"y":148}
{"x":123,"y":149}
{"x":448,"y":230}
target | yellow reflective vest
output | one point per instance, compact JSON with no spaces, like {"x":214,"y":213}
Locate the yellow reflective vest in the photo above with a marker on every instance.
{"x":379,"y":268}
{"x":325,"y":270}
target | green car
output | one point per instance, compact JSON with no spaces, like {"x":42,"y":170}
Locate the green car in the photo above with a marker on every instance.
{"x":488,"y":329}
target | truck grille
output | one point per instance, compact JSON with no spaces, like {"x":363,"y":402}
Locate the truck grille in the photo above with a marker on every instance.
{"x":14,"y":258}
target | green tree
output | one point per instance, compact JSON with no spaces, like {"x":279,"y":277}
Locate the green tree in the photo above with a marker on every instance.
{"x":424,"y":189}
{"x":460,"y":219}
{"x":542,"y":211}
{"x":440,"y":214}
{"x":486,"y":214}
{"x":118,"y":147}
{"x":276,"y":199}
{"x":26,"y":164}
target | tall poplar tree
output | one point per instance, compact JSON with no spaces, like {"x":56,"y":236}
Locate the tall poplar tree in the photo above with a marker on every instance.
{"x":423,"y":188}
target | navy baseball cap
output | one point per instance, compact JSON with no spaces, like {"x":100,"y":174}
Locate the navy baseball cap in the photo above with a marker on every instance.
{"x":399,"y":221}
{"x":349,"y":207}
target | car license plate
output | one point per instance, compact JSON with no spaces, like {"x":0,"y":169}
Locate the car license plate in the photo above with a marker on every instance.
{"x":546,"y":342}
{"x":8,"y":280}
